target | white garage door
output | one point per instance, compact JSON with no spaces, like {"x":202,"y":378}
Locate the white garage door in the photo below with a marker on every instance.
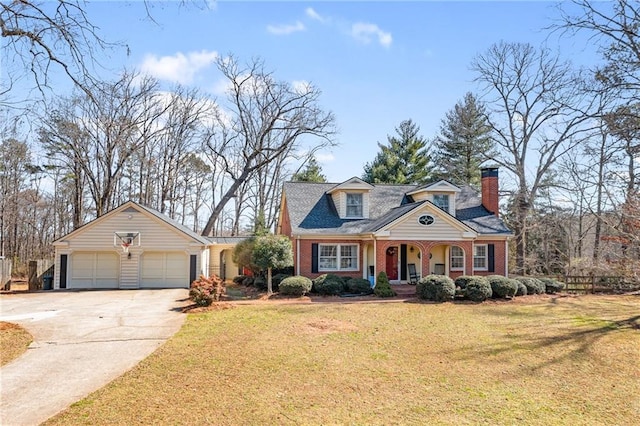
{"x":164,"y":270}
{"x":94,"y":270}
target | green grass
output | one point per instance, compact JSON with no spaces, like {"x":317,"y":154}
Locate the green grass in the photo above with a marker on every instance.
{"x":545,"y":360}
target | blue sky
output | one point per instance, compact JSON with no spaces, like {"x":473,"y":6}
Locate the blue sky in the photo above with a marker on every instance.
{"x":376,"y":63}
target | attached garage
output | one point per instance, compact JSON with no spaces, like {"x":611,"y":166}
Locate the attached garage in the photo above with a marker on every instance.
{"x":130,"y":247}
{"x":94,"y":270}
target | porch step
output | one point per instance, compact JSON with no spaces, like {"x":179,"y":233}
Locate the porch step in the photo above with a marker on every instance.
{"x":404,"y":290}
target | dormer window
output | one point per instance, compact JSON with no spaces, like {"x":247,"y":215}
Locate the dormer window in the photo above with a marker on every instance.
{"x":354,"y":204}
{"x":442,"y":201}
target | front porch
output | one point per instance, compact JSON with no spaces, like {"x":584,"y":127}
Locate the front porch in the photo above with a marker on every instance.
{"x":407,"y":261}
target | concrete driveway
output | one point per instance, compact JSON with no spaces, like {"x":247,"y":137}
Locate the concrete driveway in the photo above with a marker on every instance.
{"x":82,"y":341}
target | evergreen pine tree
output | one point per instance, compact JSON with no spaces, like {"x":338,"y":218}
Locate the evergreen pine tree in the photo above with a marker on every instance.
{"x":311,"y":173}
{"x":404,"y":160}
{"x":464,"y":143}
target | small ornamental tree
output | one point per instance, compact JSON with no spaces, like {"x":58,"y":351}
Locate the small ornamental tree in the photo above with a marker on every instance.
{"x":272,"y":251}
{"x":383,"y":288}
{"x":242,"y":254}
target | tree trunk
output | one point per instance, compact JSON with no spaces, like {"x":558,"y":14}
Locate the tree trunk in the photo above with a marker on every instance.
{"x":269,"y":282}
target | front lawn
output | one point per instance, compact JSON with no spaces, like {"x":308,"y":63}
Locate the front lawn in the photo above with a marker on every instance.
{"x":540,"y":360}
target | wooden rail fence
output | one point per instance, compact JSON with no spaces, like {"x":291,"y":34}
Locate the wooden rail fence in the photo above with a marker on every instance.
{"x":598,"y":284}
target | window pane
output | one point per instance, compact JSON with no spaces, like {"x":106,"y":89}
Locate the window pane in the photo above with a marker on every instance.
{"x":348,"y":257}
{"x":457,"y":258}
{"x":480,"y":257}
{"x":441,"y":201}
{"x":354,"y":205}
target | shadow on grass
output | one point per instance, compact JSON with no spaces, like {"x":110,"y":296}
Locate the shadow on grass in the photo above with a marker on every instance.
{"x":570,"y":334}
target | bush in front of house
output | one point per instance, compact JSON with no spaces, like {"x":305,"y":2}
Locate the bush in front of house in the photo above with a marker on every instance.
{"x":238,"y":279}
{"x":295,"y":286}
{"x":358,"y":286}
{"x":438,"y":288}
{"x":328,"y":285}
{"x":463,"y":280}
{"x":205,"y":290}
{"x":522,"y":289}
{"x":502,"y":287}
{"x":277,"y":279}
{"x":551,"y":285}
{"x":260,"y":282}
{"x":477,"y":288}
{"x":383,"y":288}
{"x":247,"y":281}
{"x":534,"y":285}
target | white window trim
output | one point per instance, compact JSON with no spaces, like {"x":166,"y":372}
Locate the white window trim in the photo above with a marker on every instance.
{"x":486,"y":257}
{"x":452,"y":268}
{"x":346,"y":205}
{"x":338,"y":252}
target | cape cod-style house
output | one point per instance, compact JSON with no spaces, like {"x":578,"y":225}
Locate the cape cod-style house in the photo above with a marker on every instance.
{"x":358,"y":229}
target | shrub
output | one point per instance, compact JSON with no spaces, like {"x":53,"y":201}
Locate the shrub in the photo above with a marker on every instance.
{"x":277,"y":279}
{"x":383,"y":288}
{"x":522,"y":289}
{"x":238,"y":279}
{"x":502,"y":287}
{"x":248,"y":281}
{"x":438,"y":288}
{"x":260,"y":283}
{"x":295,"y":286}
{"x":358,"y":286}
{"x":328,"y":284}
{"x":463,"y":280}
{"x":205,"y":291}
{"x":551,"y":285}
{"x":534,"y":285}
{"x":478,"y":289}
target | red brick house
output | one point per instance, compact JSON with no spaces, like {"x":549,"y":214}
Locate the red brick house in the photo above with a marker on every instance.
{"x":358,"y":229}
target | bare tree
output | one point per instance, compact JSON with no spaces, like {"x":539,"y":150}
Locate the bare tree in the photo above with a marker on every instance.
{"x":41,"y":35}
{"x":534,"y":110}
{"x":108,"y":129}
{"x":264,"y":119}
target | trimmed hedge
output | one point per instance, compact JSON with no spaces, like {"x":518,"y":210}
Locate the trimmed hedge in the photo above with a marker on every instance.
{"x":478,"y":289}
{"x":358,"y":286}
{"x":238,"y":279}
{"x":522,"y":289}
{"x":502,"y":287}
{"x":534,"y":285}
{"x":328,"y":285}
{"x":438,"y":288}
{"x":260,"y":283}
{"x":383,"y":288}
{"x":463,"y":280}
{"x":295,"y":286}
{"x":552,"y":285}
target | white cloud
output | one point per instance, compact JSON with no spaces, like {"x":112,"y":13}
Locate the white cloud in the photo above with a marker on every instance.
{"x":180,"y":68}
{"x":311,"y":13}
{"x":286,"y":29}
{"x":325,"y":158}
{"x":366,"y":32}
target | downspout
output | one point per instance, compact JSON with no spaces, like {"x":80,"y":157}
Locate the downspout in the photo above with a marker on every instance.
{"x":297,"y":271}
{"x":506,"y":258}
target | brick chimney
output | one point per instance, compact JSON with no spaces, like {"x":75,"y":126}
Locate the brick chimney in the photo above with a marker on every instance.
{"x":490,"y":189}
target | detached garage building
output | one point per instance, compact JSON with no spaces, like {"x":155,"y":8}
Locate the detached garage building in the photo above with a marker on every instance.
{"x":130,"y":247}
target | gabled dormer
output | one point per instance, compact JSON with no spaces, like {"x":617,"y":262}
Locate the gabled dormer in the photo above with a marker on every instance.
{"x":351,"y":198}
{"x":442,"y":194}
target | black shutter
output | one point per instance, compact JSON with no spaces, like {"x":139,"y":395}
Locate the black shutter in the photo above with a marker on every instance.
{"x":63,"y":270}
{"x":491,"y":257}
{"x":192,"y":268}
{"x":403,"y":261}
{"x":314,"y":257}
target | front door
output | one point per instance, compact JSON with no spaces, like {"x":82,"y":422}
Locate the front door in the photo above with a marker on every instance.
{"x":392,"y":263}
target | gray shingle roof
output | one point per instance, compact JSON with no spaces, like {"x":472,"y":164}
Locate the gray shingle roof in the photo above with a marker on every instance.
{"x":311,"y":210}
